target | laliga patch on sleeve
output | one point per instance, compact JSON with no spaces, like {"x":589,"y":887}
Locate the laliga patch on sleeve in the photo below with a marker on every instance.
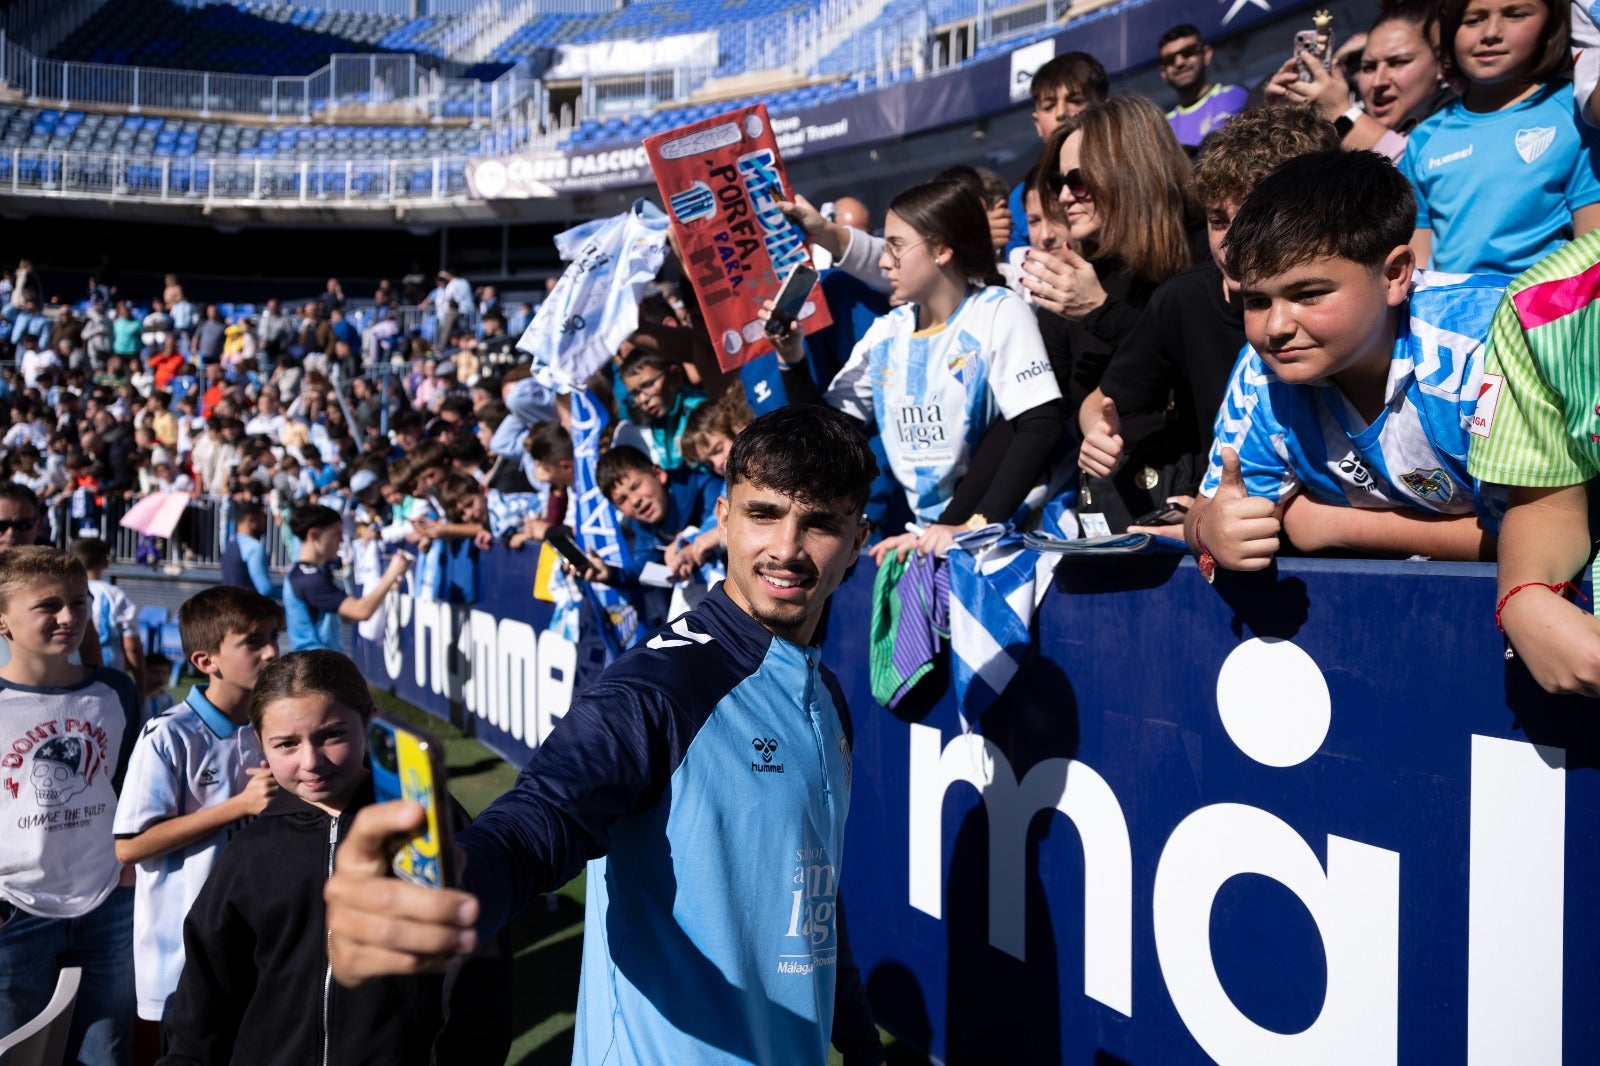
{"x":1488,"y":399}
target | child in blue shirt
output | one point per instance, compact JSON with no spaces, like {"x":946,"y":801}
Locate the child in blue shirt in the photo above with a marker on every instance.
{"x":1345,"y":422}
{"x":1505,"y":175}
{"x":658,"y":506}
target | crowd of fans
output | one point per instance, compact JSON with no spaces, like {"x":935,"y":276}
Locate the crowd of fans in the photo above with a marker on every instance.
{"x":1247,"y":329}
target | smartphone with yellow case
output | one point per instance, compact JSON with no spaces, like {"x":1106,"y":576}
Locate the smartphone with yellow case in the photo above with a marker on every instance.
{"x":408,"y":763}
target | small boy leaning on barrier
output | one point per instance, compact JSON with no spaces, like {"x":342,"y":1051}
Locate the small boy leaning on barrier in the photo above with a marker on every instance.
{"x":1348,"y":413}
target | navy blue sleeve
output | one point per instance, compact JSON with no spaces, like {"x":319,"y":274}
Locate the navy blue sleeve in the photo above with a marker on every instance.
{"x":316,"y":589}
{"x":128,"y":699}
{"x":610,"y":756}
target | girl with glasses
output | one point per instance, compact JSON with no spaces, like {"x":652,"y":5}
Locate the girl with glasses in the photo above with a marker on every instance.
{"x":957,"y":356}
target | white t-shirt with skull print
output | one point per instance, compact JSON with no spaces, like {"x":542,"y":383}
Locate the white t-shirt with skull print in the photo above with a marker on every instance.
{"x":61,"y":757}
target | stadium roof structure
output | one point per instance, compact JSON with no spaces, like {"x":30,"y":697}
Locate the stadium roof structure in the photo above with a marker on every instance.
{"x":380,"y":136}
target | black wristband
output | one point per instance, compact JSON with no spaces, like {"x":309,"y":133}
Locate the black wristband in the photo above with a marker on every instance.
{"x":1343,"y":125}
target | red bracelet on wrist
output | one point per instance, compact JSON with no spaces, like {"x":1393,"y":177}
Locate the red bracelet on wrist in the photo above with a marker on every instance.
{"x":1205,"y":562}
{"x":1561,"y":589}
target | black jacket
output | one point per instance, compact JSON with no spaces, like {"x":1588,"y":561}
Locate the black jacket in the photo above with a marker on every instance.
{"x":256,"y":988}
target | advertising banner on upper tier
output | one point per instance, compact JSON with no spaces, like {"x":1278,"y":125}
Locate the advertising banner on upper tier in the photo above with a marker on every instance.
{"x":722,"y":180}
{"x":1305,"y":816}
{"x":1122,"y":36}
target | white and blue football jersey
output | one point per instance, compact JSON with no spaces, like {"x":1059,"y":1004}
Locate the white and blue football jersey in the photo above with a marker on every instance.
{"x":1414,"y":454}
{"x":933,"y":393}
{"x":186,"y":760}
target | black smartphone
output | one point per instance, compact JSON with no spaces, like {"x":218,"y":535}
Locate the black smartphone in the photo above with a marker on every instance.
{"x":801,"y":279}
{"x":408,"y":763}
{"x":560,"y":538}
{"x":1165,"y":515}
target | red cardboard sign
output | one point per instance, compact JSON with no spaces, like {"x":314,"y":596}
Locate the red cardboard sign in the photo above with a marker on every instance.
{"x":721,"y":180}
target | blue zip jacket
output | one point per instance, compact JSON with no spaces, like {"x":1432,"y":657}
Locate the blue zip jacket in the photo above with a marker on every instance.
{"x":705,"y":779}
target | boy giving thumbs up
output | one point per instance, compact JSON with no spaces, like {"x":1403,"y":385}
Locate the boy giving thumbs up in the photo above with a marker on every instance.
{"x":1345,"y":422}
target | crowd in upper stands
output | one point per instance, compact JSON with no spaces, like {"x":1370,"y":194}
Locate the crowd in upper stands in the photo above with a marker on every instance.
{"x":1234,"y":327}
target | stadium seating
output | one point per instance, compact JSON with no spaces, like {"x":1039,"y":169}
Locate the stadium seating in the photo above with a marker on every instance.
{"x":549,"y":30}
{"x":153,"y":136}
{"x":123,"y":154}
{"x":222,"y":38}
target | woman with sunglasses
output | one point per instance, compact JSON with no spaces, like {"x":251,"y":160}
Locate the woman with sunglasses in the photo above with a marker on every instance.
{"x":1117,"y":180}
{"x":959,"y":354}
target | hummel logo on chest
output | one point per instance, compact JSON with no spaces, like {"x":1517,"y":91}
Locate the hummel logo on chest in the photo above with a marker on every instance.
{"x":766,"y":747}
{"x":208,"y":777}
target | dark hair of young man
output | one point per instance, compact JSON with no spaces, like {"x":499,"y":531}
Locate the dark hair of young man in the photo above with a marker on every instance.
{"x":305,"y":518}
{"x":406,"y":420}
{"x":810,"y":452}
{"x":19,"y":494}
{"x":461,"y":406}
{"x":1340,"y":205}
{"x":549,"y":443}
{"x":617,"y":463}
{"x":1178,"y":33}
{"x":1069,"y":71}
{"x":211,"y":614}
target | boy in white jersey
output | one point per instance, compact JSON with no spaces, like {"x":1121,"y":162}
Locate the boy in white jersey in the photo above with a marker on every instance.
{"x":66,"y":731}
{"x":1359,"y":383}
{"x":196,"y":774}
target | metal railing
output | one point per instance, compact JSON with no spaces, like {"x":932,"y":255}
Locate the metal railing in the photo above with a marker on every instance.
{"x":376,"y":83}
{"x":641,"y":92}
{"x":197,"y":543}
{"x":245,"y":181}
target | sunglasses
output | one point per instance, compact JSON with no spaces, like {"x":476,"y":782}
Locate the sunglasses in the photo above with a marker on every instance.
{"x":1072,"y":181}
{"x":1186,"y":52}
{"x":21,"y":525}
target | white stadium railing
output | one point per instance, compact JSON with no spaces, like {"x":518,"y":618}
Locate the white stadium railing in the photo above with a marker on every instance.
{"x":77,"y":175}
{"x":375,"y":83}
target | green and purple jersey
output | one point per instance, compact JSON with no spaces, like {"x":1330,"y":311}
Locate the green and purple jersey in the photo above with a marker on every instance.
{"x":1537,"y":422}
